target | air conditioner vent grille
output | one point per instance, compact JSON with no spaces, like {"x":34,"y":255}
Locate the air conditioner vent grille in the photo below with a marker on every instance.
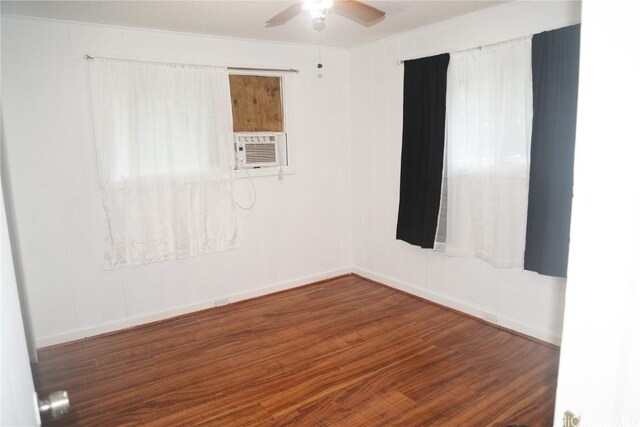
{"x":260,"y":153}
{"x":257,"y":150}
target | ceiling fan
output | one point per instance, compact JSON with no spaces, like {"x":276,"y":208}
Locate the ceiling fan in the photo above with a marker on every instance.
{"x":355,"y":10}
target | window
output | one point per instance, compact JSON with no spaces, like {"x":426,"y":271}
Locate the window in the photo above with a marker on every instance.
{"x":488,"y":134}
{"x":162,"y":134}
{"x":259,"y":114}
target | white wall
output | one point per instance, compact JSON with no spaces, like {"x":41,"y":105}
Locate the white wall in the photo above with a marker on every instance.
{"x":336,"y":214}
{"x":524,"y":301}
{"x":298,"y":232}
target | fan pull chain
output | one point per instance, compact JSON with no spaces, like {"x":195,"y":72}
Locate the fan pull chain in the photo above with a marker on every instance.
{"x":320,"y":50}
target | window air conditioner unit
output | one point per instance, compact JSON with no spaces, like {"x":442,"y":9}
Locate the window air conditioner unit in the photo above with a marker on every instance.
{"x":256,"y":150}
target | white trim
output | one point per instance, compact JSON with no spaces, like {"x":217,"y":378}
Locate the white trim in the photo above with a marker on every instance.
{"x":457,"y":19}
{"x":287,"y":81}
{"x":159,"y":30}
{"x":474,"y":311}
{"x":161,"y":315}
{"x":263,"y":171}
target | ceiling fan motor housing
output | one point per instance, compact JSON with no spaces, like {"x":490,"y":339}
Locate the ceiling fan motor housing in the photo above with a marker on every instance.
{"x":318,"y":9}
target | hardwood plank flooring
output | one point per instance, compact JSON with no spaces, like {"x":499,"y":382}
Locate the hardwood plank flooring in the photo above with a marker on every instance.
{"x":345,"y":352}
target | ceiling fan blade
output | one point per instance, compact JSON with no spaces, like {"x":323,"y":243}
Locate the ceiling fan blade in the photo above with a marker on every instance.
{"x":359,"y":12}
{"x":285,"y":16}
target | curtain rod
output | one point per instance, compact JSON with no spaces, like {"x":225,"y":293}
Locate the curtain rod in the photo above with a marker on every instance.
{"x":402,"y":61}
{"x":279,"y":70}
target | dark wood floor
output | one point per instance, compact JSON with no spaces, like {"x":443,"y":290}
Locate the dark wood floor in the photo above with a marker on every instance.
{"x":346,"y":352}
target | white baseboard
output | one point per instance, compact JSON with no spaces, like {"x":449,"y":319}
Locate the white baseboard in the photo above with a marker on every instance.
{"x":508,"y":323}
{"x":397,"y":284}
{"x":177,"y":311}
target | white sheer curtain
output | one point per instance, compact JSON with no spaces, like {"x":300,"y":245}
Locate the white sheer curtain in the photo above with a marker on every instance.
{"x":164,"y":138}
{"x":486,"y":173}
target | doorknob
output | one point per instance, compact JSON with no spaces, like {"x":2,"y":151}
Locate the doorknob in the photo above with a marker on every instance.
{"x":56,"y":405}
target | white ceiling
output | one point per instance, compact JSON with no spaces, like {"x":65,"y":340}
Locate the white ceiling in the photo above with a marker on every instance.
{"x":245,"y":19}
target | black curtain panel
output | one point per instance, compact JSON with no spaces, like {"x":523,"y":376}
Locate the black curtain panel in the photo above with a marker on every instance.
{"x":555,"y":61}
{"x":425,"y":89}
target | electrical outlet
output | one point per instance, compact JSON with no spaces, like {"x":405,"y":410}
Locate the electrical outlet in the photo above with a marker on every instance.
{"x":222,"y":301}
{"x":490,"y":317}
